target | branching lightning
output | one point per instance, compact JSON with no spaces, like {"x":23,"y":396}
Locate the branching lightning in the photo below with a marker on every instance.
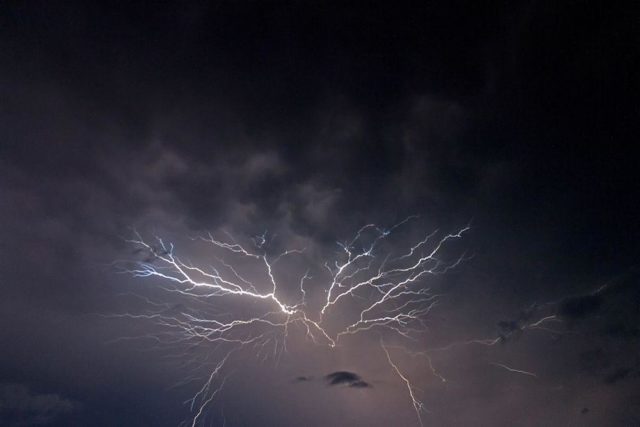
{"x":387,"y":290}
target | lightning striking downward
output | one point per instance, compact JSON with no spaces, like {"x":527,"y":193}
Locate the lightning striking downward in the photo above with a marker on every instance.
{"x":418,"y":406}
{"x":238,"y":302}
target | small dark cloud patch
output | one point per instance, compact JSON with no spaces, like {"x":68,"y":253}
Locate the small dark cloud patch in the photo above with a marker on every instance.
{"x":580,"y":307}
{"x":617,"y":375}
{"x":302,"y":379}
{"x":342,"y":377}
{"x":584,"y":411}
{"x":347,"y":378}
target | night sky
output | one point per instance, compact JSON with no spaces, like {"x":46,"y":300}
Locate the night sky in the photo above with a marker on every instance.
{"x":308,"y":120}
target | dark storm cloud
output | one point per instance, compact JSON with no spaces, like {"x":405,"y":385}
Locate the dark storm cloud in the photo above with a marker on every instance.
{"x":309,"y":120}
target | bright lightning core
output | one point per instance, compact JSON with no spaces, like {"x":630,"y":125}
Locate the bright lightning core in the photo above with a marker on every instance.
{"x":246,"y":298}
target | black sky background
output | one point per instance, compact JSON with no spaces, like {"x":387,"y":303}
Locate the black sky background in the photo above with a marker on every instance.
{"x":520,"y":117}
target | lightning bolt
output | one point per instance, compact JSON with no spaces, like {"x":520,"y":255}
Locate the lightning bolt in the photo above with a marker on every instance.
{"x":387,"y":289}
{"x":418,"y":406}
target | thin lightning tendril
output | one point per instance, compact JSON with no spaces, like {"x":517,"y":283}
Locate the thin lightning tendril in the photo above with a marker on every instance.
{"x":418,"y":406}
